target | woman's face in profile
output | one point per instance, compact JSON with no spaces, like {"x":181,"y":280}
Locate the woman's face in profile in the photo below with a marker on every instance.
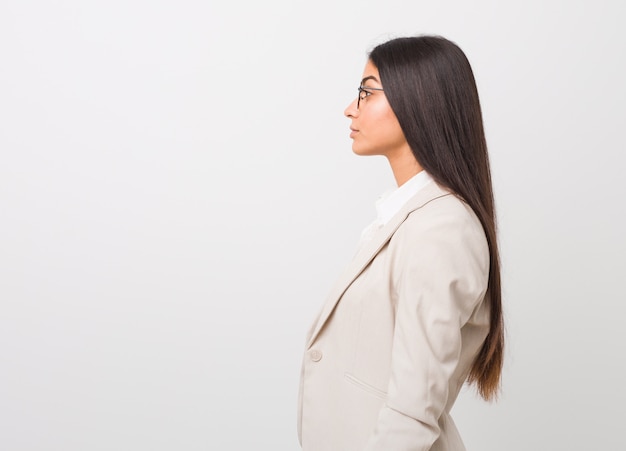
{"x":375,"y":129}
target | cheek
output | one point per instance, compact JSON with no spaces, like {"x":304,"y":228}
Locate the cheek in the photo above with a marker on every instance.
{"x":390,"y":128}
{"x":380,"y":118}
{"x":380,"y":128}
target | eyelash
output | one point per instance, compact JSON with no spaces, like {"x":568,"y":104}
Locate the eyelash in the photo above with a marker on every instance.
{"x":364,"y":93}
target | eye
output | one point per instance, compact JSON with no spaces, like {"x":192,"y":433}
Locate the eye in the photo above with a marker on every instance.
{"x":363,"y":93}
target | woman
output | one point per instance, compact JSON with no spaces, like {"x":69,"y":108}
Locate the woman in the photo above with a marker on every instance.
{"x":417,"y":313}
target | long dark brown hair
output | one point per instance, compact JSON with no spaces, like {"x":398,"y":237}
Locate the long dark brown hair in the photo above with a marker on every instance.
{"x":430,"y":86}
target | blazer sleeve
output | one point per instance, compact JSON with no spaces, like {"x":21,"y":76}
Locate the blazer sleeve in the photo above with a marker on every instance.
{"x":440,"y":273}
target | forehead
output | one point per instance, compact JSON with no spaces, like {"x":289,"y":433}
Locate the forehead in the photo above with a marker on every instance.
{"x":370,"y":73}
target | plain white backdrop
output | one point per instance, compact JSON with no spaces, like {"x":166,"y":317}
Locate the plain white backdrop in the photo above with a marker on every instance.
{"x":178,"y":193}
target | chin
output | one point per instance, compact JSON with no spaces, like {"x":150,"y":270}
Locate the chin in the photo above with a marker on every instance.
{"x":363,"y":152}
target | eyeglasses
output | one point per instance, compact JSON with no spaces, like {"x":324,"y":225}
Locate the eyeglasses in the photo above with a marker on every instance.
{"x":364,"y":92}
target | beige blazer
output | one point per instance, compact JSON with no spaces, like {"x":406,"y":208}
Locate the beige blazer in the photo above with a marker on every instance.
{"x":394,"y":342}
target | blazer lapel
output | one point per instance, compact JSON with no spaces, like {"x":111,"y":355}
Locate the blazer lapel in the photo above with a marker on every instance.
{"x":369,"y":250}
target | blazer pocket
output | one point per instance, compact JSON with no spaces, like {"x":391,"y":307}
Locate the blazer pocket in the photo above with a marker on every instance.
{"x":365,"y":386}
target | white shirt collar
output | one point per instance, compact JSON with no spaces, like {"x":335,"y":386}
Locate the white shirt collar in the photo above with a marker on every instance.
{"x":392,"y":201}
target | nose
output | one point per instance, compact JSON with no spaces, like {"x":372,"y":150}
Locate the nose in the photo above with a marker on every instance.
{"x":351,"y":110}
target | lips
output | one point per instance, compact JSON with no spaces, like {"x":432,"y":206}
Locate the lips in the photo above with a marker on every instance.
{"x":353,"y":132}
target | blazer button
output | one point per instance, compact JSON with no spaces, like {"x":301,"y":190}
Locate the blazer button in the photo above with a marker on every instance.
{"x":316,"y":355}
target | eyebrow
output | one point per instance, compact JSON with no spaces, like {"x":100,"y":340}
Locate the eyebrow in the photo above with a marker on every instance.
{"x":370,"y":77}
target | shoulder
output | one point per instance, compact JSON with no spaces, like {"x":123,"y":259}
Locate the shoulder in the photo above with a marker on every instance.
{"x":443,"y":210}
{"x":444,"y":227}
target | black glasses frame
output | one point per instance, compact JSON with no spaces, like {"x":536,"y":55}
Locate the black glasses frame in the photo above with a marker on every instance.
{"x":363,"y":92}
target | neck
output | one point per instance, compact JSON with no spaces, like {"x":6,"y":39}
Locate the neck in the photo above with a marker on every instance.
{"x":404,"y":166}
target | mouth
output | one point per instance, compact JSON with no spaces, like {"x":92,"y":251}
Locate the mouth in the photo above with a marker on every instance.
{"x":353,"y":132}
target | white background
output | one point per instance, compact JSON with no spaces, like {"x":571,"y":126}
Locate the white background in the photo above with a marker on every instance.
{"x":178,"y":193}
